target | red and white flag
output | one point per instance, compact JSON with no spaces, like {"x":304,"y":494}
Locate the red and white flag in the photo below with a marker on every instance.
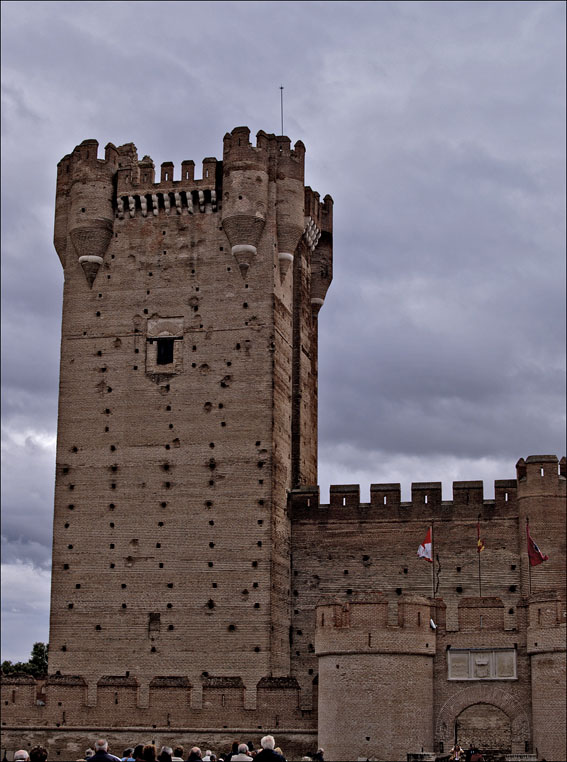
{"x":425,"y":550}
{"x":534,"y":553}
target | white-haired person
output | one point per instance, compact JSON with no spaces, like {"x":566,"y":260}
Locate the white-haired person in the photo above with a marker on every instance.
{"x":101,"y":752}
{"x":21,"y":756}
{"x":268,"y":753}
{"x":242,"y":755}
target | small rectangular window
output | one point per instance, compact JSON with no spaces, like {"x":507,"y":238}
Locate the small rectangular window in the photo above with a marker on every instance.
{"x":164,"y":351}
{"x":154,"y":623}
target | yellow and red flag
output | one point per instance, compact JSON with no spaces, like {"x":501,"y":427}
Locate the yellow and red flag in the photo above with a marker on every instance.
{"x":479,"y":541}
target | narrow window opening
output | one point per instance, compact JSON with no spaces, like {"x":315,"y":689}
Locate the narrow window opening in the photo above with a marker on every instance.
{"x":505,"y":497}
{"x":541,"y":472}
{"x":425,"y":499}
{"x":385,"y":500}
{"x":154,"y":622}
{"x":164,"y":351}
{"x":344,"y":500}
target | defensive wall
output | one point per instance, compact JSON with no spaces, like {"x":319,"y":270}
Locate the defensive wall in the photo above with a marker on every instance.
{"x":367,"y":632}
{"x":348,"y":549}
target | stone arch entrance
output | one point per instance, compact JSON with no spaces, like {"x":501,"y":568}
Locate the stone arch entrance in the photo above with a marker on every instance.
{"x":492,"y":702}
{"x":486,"y":726}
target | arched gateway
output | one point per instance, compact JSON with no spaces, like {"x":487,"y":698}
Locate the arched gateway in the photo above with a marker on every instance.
{"x":502,"y":719}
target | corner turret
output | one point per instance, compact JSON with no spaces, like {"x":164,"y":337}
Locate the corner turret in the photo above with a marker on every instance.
{"x":541,"y":501}
{"x":85,"y":206}
{"x":366,"y":660}
{"x":319,"y":237}
{"x":546,"y":648}
{"x":245,"y":194}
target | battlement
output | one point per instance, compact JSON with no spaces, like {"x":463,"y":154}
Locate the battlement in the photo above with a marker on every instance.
{"x":118,"y":700}
{"x":139,"y":176}
{"x":92,"y":193}
{"x":84,"y":161}
{"x":320,"y":212}
{"x":541,"y":468}
{"x":547,"y":623}
{"x":238,"y":148}
{"x":547,"y":609}
{"x":385,"y":500}
{"x":542,"y":472}
{"x":365,"y":624}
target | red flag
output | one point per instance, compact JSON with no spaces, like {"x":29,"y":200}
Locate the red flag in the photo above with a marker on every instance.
{"x":534,"y":553}
{"x":479,"y":542}
{"x":425,"y":549}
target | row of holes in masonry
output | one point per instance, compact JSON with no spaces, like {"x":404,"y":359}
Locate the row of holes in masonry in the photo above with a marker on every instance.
{"x":165,"y":357}
{"x":209,"y":504}
{"x":148,"y":291}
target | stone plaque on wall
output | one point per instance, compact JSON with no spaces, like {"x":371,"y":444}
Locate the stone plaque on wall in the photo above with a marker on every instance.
{"x":481,"y":664}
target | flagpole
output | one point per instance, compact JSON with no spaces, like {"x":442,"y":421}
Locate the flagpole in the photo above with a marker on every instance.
{"x":432,"y":562}
{"x":478,"y":553}
{"x":529,"y":562}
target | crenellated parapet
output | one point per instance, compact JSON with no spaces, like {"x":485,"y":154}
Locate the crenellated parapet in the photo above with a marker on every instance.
{"x":541,"y":499}
{"x":84,"y":209}
{"x":364,"y":625}
{"x":540,"y":477}
{"x":374,"y":651}
{"x":427,"y":501}
{"x":62,"y":701}
{"x":257,"y":189}
{"x":319,"y":238}
{"x":139,"y":195}
{"x":547,"y":623}
{"x":248,"y":173}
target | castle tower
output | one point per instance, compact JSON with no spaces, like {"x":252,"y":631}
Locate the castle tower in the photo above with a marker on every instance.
{"x":546,"y":647}
{"x":375,"y":677}
{"x":188,"y":385}
{"x":541,"y":499}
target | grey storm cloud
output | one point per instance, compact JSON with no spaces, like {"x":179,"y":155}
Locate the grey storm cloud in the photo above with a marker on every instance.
{"x":438,"y":128}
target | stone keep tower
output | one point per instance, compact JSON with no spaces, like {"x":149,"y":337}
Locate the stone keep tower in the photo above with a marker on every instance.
{"x":187,"y":410}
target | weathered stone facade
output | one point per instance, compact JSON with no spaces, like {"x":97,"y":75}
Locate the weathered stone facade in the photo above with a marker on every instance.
{"x":200,"y":591}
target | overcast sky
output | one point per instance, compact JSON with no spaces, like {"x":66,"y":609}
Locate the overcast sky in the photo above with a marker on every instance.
{"x":439,"y":130}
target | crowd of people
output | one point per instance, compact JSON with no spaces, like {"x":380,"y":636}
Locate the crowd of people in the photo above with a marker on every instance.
{"x":240,"y":752}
